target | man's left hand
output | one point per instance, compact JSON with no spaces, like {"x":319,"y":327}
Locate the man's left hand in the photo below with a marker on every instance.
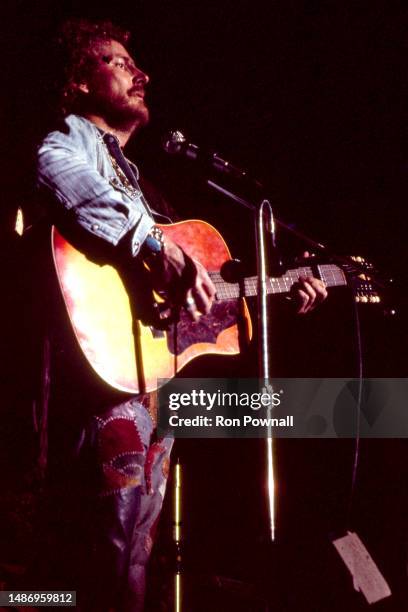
{"x":308,"y":292}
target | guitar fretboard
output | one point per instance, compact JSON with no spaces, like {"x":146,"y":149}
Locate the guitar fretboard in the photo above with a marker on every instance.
{"x":331,"y":275}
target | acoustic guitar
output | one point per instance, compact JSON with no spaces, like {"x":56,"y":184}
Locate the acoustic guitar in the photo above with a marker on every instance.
{"x":133,"y":356}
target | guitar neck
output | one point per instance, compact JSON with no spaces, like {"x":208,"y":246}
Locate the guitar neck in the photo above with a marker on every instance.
{"x":331,"y":275}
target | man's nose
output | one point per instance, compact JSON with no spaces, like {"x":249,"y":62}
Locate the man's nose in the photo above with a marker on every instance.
{"x":140,"y":77}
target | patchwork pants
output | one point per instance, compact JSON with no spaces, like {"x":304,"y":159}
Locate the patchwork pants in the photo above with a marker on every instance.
{"x":133,"y":469}
{"x":106,"y":484}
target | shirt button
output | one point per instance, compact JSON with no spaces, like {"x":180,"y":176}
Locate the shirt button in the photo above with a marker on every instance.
{"x":95,"y":227}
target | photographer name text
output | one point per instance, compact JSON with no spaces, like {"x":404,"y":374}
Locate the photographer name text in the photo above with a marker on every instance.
{"x":220,"y":421}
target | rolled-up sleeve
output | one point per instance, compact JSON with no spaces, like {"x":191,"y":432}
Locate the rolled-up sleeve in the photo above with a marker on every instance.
{"x":67,"y":170}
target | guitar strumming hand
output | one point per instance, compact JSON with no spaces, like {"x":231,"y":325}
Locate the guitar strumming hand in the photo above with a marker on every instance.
{"x":184,"y":281}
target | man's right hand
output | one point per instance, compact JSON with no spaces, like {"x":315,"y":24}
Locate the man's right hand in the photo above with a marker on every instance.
{"x":184,"y":281}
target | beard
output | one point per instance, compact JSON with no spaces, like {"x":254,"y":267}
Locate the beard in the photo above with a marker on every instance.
{"x":122,"y":111}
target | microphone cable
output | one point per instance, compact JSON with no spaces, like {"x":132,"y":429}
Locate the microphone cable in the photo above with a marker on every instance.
{"x":356,"y":459}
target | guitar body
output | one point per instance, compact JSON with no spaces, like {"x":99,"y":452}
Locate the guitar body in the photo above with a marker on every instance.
{"x":125,"y":353}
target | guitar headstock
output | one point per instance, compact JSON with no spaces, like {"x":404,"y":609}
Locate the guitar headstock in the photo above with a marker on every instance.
{"x":361,"y":280}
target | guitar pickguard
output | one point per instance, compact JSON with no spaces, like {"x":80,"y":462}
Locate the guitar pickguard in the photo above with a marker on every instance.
{"x":206,"y":329}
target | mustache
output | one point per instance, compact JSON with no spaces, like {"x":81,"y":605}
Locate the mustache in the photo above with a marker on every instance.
{"x":138,"y":89}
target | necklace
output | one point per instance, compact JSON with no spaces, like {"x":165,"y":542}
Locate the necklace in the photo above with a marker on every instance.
{"x":121,"y":176}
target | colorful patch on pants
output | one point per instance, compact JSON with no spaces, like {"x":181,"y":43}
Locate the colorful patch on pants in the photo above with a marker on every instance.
{"x":122,"y":454}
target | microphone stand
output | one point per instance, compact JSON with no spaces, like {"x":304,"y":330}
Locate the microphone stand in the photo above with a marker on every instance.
{"x":264,"y":223}
{"x":265,"y":228}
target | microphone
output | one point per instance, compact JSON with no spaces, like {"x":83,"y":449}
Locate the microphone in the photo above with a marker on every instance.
{"x":175,"y":143}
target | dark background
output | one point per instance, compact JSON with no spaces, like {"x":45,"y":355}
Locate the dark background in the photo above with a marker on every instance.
{"x":311,"y":97}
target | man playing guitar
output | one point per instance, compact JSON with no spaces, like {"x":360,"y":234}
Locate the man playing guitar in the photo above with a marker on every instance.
{"x":95,"y":201}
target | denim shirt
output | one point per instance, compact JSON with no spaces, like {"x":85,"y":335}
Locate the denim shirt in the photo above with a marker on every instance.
{"x":74,"y":165}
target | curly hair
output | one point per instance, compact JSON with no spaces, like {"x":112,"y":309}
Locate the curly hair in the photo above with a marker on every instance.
{"x":78,"y":42}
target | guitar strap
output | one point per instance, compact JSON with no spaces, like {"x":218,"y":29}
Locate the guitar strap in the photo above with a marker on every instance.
{"x":115,"y":152}
{"x":128,"y":174}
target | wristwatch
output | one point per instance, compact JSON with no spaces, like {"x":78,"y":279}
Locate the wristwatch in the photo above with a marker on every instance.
{"x":153,"y":245}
